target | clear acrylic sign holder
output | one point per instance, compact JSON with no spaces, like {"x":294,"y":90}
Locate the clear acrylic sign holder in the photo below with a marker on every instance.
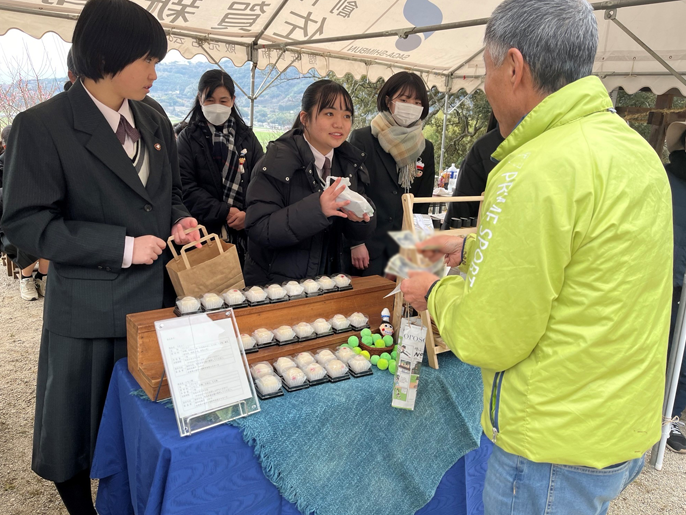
{"x":207,"y":371}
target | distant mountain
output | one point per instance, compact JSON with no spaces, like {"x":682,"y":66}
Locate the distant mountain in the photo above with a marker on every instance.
{"x":177,"y":83}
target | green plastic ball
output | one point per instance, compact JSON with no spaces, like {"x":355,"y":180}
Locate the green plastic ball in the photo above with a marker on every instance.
{"x":357,"y":350}
{"x":394,"y":355}
{"x":385,"y":356}
{"x":365,"y":332}
{"x":353,"y":341}
{"x":388,"y":339}
{"x":382,"y":364}
{"x":367,"y":340}
{"x":395,"y":348}
{"x":376,"y":337}
{"x":364,"y":353}
{"x":345,"y":345}
{"x":374,"y":360}
{"x":392,"y":367}
{"x":379,"y":344}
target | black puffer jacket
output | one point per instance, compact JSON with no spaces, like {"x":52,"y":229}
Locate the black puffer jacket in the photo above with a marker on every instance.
{"x":676,"y":172}
{"x":202,"y":180}
{"x":287,"y":232}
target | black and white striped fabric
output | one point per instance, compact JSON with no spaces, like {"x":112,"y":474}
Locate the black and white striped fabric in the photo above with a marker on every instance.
{"x":225,"y":155}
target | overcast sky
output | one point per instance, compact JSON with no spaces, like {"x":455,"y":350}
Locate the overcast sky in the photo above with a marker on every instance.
{"x":48,"y":55}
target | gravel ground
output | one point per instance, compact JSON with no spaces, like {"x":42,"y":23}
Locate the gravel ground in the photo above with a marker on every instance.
{"x":23,"y":492}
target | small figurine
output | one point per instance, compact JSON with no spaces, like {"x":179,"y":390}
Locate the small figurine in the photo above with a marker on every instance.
{"x":386,"y":315}
{"x":241,"y":160}
{"x":386,"y":329}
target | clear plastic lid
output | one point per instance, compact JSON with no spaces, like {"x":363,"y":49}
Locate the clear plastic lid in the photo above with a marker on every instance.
{"x":326,"y":283}
{"x":324,"y":355}
{"x":188,"y":304}
{"x":339,"y":322}
{"x":255,"y":294}
{"x":233,"y":297}
{"x":294,"y":377}
{"x":284,"y":363}
{"x":248,"y":341}
{"x":311,"y":286}
{"x":263,"y":336}
{"x":261,"y":369}
{"x":268,"y":384}
{"x":314,"y":371}
{"x":342,"y":280}
{"x":303,"y":330}
{"x":358,"y":319}
{"x":212,"y":301}
{"x":304,"y":358}
{"x":321,"y":326}
{"x":293,"y":288}
{"x":276,"y":291}
{"x":336,"y":368}
{"x":284,"y":333}
{"x":344,"y":354}
{"x":359,"y":364}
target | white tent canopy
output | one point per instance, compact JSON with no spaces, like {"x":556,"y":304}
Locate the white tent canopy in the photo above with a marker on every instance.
{"x":378,"y":38}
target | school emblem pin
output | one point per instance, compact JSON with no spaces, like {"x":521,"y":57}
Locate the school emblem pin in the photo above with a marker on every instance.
{"x":158,"y":146}
{"x":420,"y":167}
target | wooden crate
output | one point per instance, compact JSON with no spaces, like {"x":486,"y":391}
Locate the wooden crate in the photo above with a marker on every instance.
{"x":367,"y":296}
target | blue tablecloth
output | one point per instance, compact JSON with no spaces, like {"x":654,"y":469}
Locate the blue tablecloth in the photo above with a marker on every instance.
{"x":145,"y":467}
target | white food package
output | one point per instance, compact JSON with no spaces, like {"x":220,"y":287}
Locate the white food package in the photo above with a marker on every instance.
{"x":358,"y":204}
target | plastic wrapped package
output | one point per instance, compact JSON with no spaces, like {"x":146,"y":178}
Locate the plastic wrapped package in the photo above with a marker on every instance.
{"x":326,"y":283}
{"x":303,"y":330}
{"x":311,"y":287}
{"x":314,"y":372}
{"x":358,"y":319}
{"x":188,"y":305}
{"x":260,"y":369}
{"x":336,"y":368}
{"x":268,"y":384}
{"x":339,"y":322}
{"x":359,"y":364}
{"x":294,"y":288}
{"x":304,"y":358}
{"x":233,"y":297}
{"x":283,"y":363}
{"x":212,"y":301}
{"x":248,"y":341}
{"x":324,"y":355}
{"x":344,"y":354}
{"x":342,"y":280}
{"x":321,"y":326}
{"x":263,"y":336}
{"x":294,"y":377}
{"x":284,"y":333}
{"x":256,"y":294}
{"x":276,"y":292}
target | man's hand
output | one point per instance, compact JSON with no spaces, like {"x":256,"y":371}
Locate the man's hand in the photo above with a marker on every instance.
{"x":360,"y":257}
{"x":415,"y":287}
{"x":146,"y":249}
{"x":236,"y":219}
{"x":353,"y":217}
{"x":178,"y":232}
{"x":449,"y":247}
{"x":328,"y":200}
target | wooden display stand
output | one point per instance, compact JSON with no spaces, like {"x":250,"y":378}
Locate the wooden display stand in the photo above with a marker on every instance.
{"x":434,"y":343}
{"x":367,"y":296}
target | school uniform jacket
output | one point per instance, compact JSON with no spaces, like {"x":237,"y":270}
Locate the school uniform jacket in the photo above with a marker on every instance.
{"x":72,"y":195}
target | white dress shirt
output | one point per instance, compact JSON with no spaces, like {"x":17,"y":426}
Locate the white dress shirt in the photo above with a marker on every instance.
{"x":319,"y":158}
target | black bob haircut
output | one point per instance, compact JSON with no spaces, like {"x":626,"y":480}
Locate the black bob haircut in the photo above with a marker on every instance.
{"x":320,"y":95}
{"x":403,"y":83}
{"x":111,"y":34}
{"x":207,"y":85}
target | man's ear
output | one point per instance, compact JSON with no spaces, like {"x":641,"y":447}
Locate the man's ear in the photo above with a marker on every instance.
{"x":518,"y":68}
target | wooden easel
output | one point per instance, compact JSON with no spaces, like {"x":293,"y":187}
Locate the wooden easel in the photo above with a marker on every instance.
{"x":434,"y":343}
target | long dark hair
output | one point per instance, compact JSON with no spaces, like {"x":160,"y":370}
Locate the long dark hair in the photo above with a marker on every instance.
{"x":320,"y":95}
{"x":209,"y":82}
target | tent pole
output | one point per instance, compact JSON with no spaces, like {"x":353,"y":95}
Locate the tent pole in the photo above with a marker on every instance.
{"x":448,"y":83}
{"x":612,"y":16}
{"x":673,"y":370}
{"x":253,"y":68}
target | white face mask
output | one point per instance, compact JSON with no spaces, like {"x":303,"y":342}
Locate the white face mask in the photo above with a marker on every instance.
{"x":406,"y":114}
{"x":216,"y":114}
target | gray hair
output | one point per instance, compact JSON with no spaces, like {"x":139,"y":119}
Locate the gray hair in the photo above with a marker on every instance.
{"x":5,"y":135}
{"x":557,"y":38}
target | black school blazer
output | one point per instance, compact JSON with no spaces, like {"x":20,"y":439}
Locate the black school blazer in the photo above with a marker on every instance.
{"x":72,"y":195}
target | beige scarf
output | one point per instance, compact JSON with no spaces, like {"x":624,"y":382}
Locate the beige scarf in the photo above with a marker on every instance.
{"x":405,"y":144}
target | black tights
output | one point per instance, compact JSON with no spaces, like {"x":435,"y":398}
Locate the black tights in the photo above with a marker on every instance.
{"x":76,"y":494}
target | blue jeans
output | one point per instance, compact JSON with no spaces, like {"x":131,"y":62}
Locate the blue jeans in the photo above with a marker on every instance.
{"x":517,"y":486}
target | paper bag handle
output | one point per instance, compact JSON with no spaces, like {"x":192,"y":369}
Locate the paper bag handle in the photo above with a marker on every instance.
{"x":206,"y":237}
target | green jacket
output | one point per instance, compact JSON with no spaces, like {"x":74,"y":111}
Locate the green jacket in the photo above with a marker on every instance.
{"x":566,"y":303}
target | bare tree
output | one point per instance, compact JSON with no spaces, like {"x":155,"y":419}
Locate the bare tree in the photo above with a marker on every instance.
{"x":24,"y":85}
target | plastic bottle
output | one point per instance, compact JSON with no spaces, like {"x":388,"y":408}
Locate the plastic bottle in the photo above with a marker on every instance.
{"x":453,"y":178}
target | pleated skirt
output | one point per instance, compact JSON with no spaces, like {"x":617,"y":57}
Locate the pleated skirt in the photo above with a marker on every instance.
{"x":73,"y":378}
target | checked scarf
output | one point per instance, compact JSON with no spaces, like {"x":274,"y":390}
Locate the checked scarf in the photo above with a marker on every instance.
{"x":225,"y":156}
{"x":405,"y":144}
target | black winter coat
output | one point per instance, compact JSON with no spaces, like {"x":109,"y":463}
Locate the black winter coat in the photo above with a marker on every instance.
{"x":201,"y":178}
{"x":473,"y":176}
{"x":387,"y":194}
{"x":676,"y":172}
{"x":287,"y":231}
